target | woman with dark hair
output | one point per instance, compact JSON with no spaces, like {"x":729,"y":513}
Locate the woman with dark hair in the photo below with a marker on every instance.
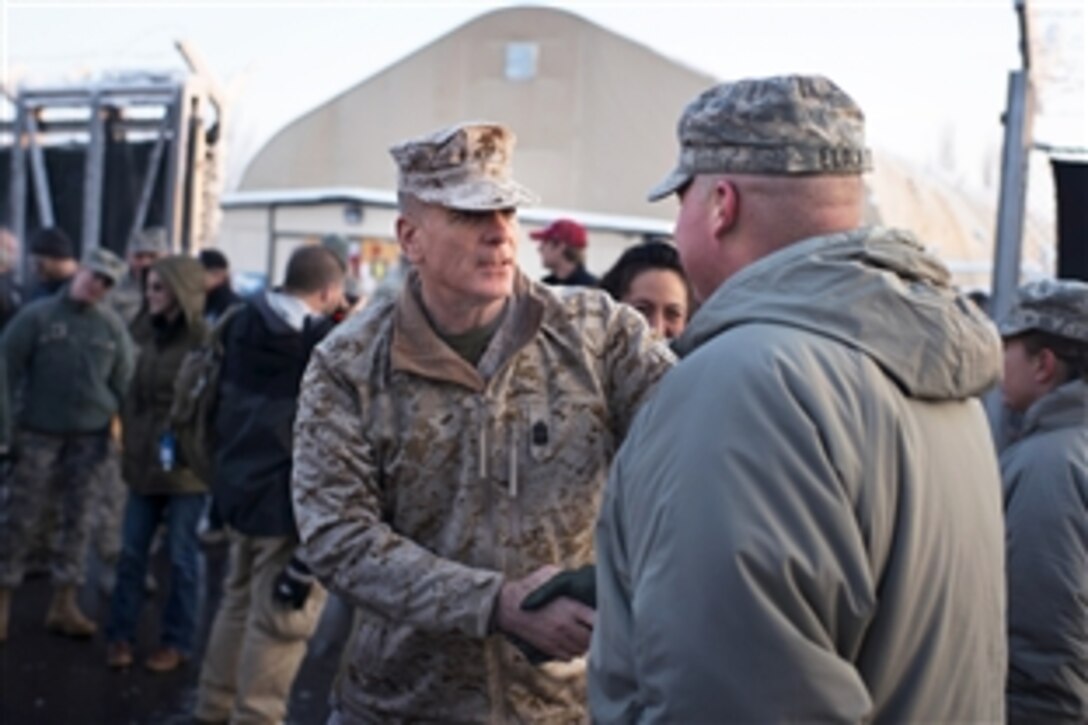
{"x":649,"y":278}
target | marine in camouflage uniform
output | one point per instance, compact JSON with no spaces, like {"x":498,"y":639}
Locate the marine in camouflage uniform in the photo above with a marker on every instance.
{"x":430,"y":481}
{"x":72,"y":359}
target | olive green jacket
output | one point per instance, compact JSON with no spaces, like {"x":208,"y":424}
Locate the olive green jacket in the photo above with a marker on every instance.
{"x":145,"y":415}
{"x":68,"y":365}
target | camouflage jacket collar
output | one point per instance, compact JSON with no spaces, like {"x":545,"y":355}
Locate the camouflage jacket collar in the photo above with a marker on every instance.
{"x":417,"y":348}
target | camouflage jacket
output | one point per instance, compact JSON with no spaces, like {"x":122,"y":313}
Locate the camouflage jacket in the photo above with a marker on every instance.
{"x":420,"y":482}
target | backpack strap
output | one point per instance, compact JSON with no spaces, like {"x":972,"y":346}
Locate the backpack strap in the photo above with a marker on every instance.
{"x":219,"y":329}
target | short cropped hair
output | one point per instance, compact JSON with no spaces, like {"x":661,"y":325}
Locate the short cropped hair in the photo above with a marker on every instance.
{"x":1072,"y":353}
{"x":214,"y":259}
{"x":311,"y":269}
{"x":573,"y":254}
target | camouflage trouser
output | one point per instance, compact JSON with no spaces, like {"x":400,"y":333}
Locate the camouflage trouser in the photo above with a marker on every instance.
{"x":108,"y":494}
{"x":53,"y":475}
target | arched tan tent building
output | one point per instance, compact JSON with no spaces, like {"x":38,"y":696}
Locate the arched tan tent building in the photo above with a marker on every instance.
{"x":595,"y":115}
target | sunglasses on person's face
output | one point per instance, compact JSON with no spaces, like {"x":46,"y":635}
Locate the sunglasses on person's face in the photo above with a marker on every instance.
{"x":155,"y":287}
{"x":103,"y":279}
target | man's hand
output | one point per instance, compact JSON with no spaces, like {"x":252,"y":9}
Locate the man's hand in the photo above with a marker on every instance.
{"x":561,"y":629}
{"x":292,"y":586}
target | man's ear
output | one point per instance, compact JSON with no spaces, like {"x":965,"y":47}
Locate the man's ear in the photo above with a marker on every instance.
{"x":408,"y":237}
{"x":726,"y":205}
{"x":1048,"y":368}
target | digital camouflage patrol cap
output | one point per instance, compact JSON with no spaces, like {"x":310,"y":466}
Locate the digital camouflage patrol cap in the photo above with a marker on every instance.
{"x":149,"y":241}
{"x":462,"y":167}
{"x":781,"y":126}
{"x":106,"y":263}
{"x":1055,"y":306}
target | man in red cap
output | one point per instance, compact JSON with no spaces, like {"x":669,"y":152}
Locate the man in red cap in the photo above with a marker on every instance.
{"x":563,"y":253}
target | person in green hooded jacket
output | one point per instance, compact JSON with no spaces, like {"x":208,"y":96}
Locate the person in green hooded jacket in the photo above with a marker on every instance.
{"x":162,"y":489}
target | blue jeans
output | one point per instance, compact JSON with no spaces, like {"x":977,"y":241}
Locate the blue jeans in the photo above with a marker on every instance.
{"x":143,"y":514}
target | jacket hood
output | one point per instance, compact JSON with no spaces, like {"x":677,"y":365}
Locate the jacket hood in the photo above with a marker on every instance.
{"x":185,"y":277}
{"x":876,"y":290}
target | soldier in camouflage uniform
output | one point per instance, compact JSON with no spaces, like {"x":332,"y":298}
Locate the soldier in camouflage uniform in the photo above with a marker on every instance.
{"x":71,"y":358}
{"x":1045,"y":475}
{"x":450,"y":450}
{"x":144,"y":249}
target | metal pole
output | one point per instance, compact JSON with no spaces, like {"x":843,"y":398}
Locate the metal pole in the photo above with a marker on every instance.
{"x":93,"y":175}
{"x":17,"y":193}
{"x":271,"y":259}
{"x":152,"y":174}
{"x":38,"y":172}
{"x":175,"y":169}
{"x":1010,"y":209}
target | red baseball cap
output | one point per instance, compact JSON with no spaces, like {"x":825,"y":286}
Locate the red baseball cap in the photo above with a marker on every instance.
{"x":564,"y":231}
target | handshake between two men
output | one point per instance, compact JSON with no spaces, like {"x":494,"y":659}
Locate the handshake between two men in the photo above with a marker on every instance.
{"x":549,"y":614}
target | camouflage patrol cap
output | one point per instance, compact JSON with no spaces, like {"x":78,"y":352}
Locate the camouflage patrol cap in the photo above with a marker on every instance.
{"x":1055,"y":306}
{"x":106,"y":263}
{"x":151,"y":240}
{"x":780,"y":126}
{"x":462,"y":167}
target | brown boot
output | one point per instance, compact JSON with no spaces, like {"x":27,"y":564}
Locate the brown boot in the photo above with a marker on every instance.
{"x":164,"y":659}
{"x":64,"y":616}
{"x":118,"y":655}
{"x":5,"y":612}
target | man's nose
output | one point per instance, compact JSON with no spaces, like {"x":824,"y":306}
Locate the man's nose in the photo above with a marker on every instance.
{"x":498,"y":227}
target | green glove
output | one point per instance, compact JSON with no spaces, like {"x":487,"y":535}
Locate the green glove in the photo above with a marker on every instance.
{"x":578,"y":584}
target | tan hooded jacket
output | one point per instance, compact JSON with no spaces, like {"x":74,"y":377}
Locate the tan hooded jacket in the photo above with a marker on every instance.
{"x":421,"y":482}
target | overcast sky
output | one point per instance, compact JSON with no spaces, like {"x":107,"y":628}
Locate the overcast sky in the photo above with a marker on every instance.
{"x":931,"y":74}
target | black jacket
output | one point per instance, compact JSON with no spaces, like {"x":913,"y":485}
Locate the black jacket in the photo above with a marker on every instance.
{"x":47,"y":288}
{"x":580,"y":277}
{"x":217,"y":301}
{"x":11,"y":297}
{"x":263,"y":363}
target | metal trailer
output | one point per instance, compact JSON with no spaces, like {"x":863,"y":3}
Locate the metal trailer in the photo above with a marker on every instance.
{"x":173,"y":121}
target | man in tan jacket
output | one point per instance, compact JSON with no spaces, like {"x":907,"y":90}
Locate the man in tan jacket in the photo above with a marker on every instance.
{"x":450,"y":450}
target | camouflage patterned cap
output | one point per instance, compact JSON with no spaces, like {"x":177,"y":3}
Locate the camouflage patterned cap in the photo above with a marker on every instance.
{"x":462,"y":167}
{"x":781,"y":126}
{"x":151,"y":240}
{"x":106,"y":263}
{"x":1055,"y":306}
